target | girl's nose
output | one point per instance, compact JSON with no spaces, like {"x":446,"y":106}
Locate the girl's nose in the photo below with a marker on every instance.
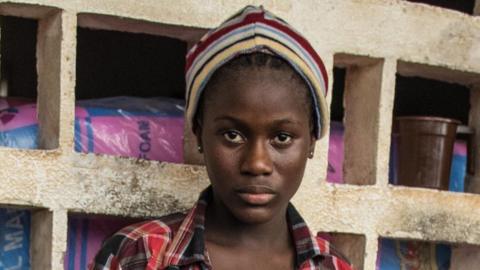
{"x":257,"y":159}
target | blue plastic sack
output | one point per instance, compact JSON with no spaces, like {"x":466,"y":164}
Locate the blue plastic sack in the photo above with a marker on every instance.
{"x":14,"y":239}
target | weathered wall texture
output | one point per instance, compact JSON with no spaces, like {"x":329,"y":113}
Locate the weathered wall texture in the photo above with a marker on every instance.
{"x":373,"y":39}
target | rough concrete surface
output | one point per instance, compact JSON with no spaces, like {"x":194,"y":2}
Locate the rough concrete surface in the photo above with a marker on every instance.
{"x":374,"y":39}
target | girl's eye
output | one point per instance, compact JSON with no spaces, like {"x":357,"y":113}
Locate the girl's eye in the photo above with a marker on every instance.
{"x":282,"y":139}
{"x":233,"y":137}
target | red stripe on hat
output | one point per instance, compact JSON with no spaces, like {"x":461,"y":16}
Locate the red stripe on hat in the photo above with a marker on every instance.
{"x":304,"y":43}
{"x":259,"y":17}
{"x":201,"y":46}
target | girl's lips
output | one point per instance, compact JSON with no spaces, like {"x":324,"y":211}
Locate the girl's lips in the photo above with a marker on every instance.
{"x":256,"y":195}
{"x":256,"y":198}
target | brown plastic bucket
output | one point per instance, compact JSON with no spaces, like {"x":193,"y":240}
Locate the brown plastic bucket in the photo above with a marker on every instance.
{"x":425,"y":148}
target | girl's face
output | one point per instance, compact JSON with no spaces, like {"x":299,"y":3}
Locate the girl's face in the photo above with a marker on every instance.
{"x":256,"y":139}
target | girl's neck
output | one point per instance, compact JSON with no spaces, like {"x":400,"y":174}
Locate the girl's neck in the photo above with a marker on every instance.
{"x":222,"y":228}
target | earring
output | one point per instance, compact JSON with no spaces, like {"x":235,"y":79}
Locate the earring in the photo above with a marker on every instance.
{"x":310,"y":155}
{"x":199,"y":148}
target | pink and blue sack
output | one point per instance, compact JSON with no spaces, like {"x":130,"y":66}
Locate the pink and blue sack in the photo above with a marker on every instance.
{"x":131,"y":127}
{"x":335,"y":153}
{"x":19,"y":126}
{"x":14,"y":239}
{"x":121,"y":126}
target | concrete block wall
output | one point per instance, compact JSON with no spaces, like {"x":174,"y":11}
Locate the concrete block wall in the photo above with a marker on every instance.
{"x":373,"y":39}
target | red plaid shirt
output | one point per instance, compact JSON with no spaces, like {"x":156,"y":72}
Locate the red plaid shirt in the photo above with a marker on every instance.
{"x":176,"y":242}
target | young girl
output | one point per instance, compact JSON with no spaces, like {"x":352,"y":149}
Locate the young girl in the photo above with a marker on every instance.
{"x":256,"y":100}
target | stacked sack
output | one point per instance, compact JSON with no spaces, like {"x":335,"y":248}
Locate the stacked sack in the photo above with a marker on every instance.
{"x":131,"y":127}
{"x":14,"y":239}
{"x":121,"y":126}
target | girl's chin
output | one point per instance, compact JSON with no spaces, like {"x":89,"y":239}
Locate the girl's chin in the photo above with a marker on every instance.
{"x":253,"y":215}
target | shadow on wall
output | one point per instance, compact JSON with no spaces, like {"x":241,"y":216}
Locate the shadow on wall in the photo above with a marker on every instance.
{"x":465,"y":6}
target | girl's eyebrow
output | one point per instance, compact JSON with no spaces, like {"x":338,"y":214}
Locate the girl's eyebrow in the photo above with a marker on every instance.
{"x":226,"y":118}
{"x":277,"y":122}
{"x":286,"y":121}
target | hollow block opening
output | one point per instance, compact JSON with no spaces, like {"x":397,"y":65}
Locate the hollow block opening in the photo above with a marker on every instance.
{"x":336,"y":143}
{"x":354,"y":110}
{"x":130,"y":94}
{"x":113,"y":63}
{"x":414,"y":254}
{"x":15,"y":227}
{"x":349,"y":246}
{"x":18,"y":57}
{"x":438,"y":158}
{"x":86,"y":235}
{"x":18,"y":83}
{"x":25,"y":238}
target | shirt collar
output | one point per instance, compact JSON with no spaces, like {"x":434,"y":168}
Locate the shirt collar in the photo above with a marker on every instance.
{"x":188,"y":244}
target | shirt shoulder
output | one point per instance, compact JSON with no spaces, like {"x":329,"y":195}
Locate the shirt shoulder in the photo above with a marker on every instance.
{"x":333,"y":259}
{"x":137,"y":245}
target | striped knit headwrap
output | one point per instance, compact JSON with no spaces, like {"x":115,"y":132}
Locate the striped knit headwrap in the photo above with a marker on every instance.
{"x":254,"y":29}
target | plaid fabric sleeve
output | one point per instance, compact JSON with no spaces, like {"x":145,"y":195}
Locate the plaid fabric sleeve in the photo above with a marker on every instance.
{"x":334,"y":260}
{"x":136,"y":247}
